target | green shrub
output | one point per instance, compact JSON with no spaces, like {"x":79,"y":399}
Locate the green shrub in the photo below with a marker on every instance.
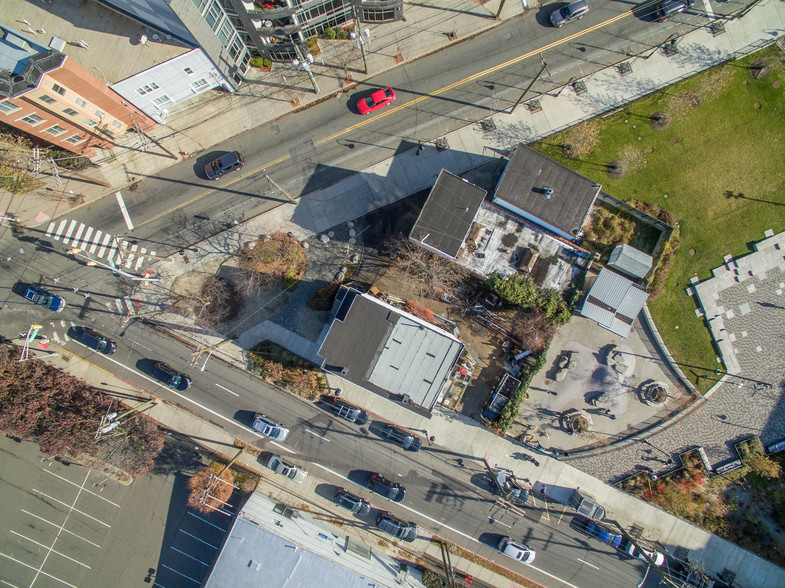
{"x":432,"y":579}
{"x":311,"y":42}
{"x":260,"y":62}
{"x":510,"y":410}
{"x":517,"y":289}
{"x":329,"y":33}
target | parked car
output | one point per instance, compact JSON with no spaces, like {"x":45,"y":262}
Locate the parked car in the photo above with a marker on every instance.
{"x":94,"y":340}
{"x":269,"y":428}
{"x":396,"y":527}
{"x":376,"y":100}
{"x":599,"y":532}
{"x":384,"y":487}
{"x":516,"y":550}
{"x":667,"y":8}
{"x":42,"y":297}
{"x":349,"y":501}
{"x":224,"y":164}
{"x":409,"y":441}
{"x":345,"y":410}
{"x":277,"y":464}
{"x":654,"y":555}
{"x":171,"y":377}
{"x":567,"y":14}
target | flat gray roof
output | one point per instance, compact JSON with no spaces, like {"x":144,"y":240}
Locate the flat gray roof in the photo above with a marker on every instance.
{"x":389,"y":351}
{"x":631,"y":261}
{"x":266,"y":548}
{"x":447,"y":215}
{"x":523,"y":189}
{"x":614,"y":302}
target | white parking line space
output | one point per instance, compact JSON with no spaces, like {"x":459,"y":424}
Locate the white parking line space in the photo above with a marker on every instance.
{"x":227,"y":389}
{"x":317,"y":435}
{"x":51,"y":473}
{"x":73,"y":509}
{"x":84,"y":565}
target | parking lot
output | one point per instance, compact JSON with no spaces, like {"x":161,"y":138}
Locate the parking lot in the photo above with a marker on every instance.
{"x":65,"y":524}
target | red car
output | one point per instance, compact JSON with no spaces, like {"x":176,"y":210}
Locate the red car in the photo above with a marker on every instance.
{"x":376,"y":100}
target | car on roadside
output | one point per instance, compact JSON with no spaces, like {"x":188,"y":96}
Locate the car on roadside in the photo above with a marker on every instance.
{"x":667,"y":8}
{"x":224,"y":164}
{"x":409,"y":441}
{"x":600,"y":532}
{"x":396,"y":527}
{"x":351,"y":502}
{"x":269,"y":428}
{"x":572,"y":12}
{"x":170,"y":376}
{"x":345,"y":410}
{"x":280,"y":466}
{"x":384,"y":487}
{"x":42,"y":297}
{"x":515,"y":550}
{"x":94,"y":340}
{"x":376,"y":100}
{"x":630,"y":549}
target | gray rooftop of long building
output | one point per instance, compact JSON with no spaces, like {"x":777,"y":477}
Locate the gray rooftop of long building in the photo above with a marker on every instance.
{"x":614,"y":302}
{"x":631,"y":261}
{"x":447,"y":215}
{"x":267,"y":549}
{"x":389,"y":351}
{"x":524,"y":185}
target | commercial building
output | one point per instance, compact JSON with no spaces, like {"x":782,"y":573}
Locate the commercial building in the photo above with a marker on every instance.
{"x":388,"y":351}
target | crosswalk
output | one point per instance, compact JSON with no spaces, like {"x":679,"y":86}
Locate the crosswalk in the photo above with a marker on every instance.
{"x":96,"y":242}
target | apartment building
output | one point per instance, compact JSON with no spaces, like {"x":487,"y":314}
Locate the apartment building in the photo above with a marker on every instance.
{"x":45,"y":94}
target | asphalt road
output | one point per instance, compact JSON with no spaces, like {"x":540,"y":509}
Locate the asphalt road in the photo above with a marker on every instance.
{"x":304,"y":151}
{"x":447,"y":493}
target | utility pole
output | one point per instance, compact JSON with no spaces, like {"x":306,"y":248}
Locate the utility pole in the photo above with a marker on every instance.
{"x":275,"y":185}
{"x":499,"y":12}
{"x":202,"y":348}
{"x":356,"y":35}
{"x":665,"y":580}
{"x":529,"y":87}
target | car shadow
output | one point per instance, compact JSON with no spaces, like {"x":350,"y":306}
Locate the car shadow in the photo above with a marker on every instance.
{"x":245,"y":417}
{"x":360,"y":477}
{"x":203,"y":160}
{"x":645,"y":11}
{"x":543,"y":16}
{"x":145,"y":366}
{"x":492,"y":540}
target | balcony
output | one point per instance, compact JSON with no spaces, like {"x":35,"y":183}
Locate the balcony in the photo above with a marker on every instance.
{"x":268,"y":9}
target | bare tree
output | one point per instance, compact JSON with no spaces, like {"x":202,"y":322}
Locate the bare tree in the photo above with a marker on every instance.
{"x":532,"y":328}
{"x":428,"y":275}
{"x":208,"y":490}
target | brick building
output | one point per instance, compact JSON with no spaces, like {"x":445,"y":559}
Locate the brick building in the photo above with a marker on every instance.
{"x":45,"y":94}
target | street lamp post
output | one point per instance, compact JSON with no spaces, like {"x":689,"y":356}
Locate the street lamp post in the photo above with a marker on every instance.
{"x":667,"y":455}
{"x":304,"y":64}
{"x":361,"y":43}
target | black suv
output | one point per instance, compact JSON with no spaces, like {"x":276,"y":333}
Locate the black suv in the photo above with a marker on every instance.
{"x":402,"y":437}
{"x":171,"y":377}
{"x":351,"y":413}
{"x":349,"y":501}
{"x":94,"y":340}
{"x":224,"y":164}
{"x":396,"y":527}
{"x":384,"y":487}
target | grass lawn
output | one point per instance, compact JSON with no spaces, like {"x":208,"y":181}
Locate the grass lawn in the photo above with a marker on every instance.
{"x":719,"y":166}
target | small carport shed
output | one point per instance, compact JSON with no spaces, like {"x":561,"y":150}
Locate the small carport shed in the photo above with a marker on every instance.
{"x":614,"y":302}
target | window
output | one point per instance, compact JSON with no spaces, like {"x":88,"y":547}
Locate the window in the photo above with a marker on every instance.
{"x":198,"y":85}
{"x":81,"y":103}
{"x":162,"y":100}
{"x":90,"y":122}
{"x":147,"y":88}
{"x":55,"y":130}
{"x":46,"y":99}
{"x":70,"y":112}
{"x":32,"y":119}
{"x":74,"y":139}
{"x":7,"y":107}
{"x":117,"y":124}
{"x":59,"y":89}
{"x":100,"y":113}
{"x":107,"y":132}
{"x":188,"y":71}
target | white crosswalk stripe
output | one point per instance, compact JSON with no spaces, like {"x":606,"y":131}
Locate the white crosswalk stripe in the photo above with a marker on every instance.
{"x":96,"y":242}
